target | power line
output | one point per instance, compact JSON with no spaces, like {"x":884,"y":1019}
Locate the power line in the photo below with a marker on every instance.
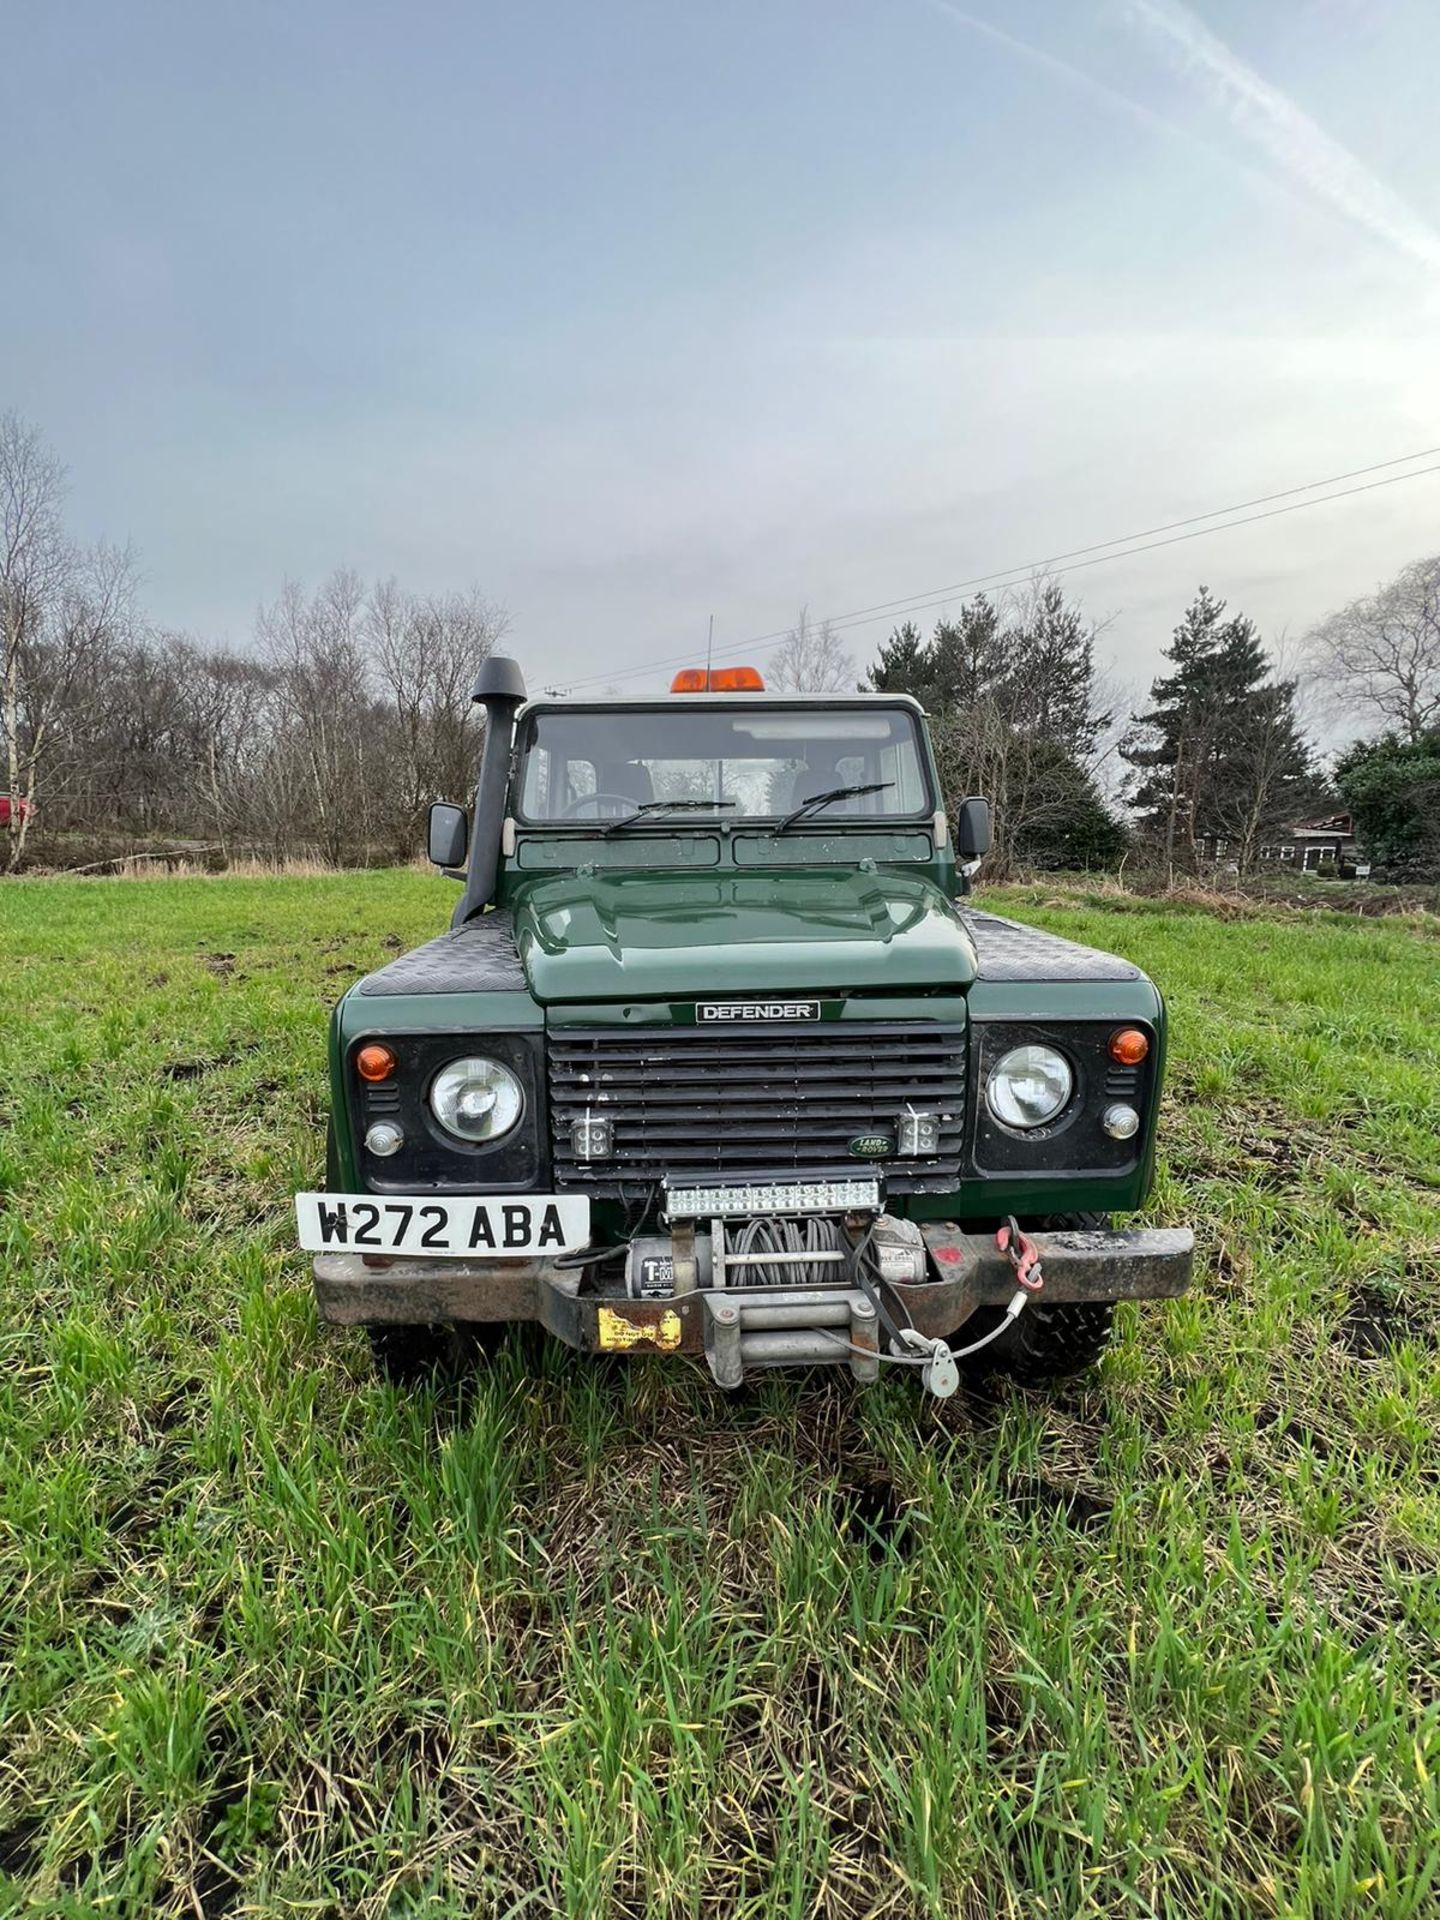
{"x":1013,"y":576}
{"x":1127,"y":544}
{"x":1075,"y":553}
{"x":1175,"y":539}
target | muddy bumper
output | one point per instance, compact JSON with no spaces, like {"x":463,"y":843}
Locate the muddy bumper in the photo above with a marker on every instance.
{"x":736,"y":1328}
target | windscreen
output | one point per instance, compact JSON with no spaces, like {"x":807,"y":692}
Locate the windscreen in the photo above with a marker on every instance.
{"x":744,"y":763}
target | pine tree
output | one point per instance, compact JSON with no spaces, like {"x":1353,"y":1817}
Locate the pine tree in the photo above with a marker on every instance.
{"x":1219,"y":757}
{"x":963,"y":664}
{"x":1010,"y":695}
{"x":1050,"y":671}
{"x":1164,"y":746}
{"x":967,"y":658}
{"x":903,"y":664}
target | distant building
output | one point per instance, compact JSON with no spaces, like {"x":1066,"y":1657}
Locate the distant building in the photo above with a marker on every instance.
{"x":1313,"y":846}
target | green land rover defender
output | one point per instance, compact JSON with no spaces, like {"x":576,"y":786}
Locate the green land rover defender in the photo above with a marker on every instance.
{"x":718,"y":1060}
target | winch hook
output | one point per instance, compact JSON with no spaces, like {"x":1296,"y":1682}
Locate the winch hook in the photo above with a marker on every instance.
{"x":1024,"y":1255}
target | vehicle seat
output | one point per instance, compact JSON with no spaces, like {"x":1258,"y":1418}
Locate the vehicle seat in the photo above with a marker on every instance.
{"x":816,"y":778}
{"x":629,"y":777}
{"x":803,"y":781}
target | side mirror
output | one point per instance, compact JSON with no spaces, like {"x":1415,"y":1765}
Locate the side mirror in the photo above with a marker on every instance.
{"x":972,"y":829}
{"x":447,"y":835}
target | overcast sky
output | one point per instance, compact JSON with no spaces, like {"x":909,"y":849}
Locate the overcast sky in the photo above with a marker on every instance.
{"x":634,"y":311}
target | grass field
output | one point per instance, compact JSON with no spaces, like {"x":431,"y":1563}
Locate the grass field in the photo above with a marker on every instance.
{"x":598,"y":1640}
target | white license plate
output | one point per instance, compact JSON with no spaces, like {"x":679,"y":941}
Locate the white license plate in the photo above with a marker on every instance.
{"x":478,"y":1227}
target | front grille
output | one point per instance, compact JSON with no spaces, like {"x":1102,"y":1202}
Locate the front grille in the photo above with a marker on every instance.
{"x":686,"y":1102}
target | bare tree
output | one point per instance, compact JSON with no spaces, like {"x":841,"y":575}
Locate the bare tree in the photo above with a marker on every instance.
{"x":425,"y":651}
{"x":368,"y":714}
{"x":1380,"y":656}
{"x":229,"y":706}
{"x":811,"y":659}
{"x":324,"y":757}
{"x":353,"y":711}
{"x":64,"y":615}
{"x":35,"y":561}
{"x":71,"y":666}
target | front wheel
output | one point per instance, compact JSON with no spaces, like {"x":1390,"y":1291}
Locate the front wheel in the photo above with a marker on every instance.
{"x":1051,"y":1340}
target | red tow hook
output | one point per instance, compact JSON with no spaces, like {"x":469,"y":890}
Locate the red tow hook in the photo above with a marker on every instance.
{"x":1011,"y":1239}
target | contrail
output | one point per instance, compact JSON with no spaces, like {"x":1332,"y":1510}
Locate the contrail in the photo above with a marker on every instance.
{"x":1076,"y":78}
{"x":1052,"y":64}
{"x":1301,"y":149}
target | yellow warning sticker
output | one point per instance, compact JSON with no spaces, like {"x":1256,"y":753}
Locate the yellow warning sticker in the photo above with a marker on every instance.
{"x":618,"y":1332}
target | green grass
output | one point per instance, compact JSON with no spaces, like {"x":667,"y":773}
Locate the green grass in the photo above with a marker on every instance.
{"x":594,"y":1639}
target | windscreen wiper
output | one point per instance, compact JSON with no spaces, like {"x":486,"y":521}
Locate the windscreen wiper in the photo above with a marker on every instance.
{"x":647,"y":807}
{"x":818,"y":800}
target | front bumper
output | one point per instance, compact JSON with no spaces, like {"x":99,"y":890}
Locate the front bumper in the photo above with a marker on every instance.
{"x":753,"y":1326}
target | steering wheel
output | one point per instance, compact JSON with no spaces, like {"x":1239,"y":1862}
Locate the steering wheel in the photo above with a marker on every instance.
{"x":623,"y":801}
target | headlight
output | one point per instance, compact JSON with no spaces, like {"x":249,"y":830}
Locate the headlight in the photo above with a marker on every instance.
{"x":1029,"y":1086}
{"x":477,"y":1099}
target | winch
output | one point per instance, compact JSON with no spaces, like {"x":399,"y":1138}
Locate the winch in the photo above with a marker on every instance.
{"x":773,"y":1250}
{"x":783,"y":1289}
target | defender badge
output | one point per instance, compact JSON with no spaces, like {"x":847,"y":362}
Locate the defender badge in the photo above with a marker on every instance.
{"x":733,"y":1012}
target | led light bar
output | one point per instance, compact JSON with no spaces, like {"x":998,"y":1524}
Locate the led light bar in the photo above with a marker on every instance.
{"x":804,"y":1196}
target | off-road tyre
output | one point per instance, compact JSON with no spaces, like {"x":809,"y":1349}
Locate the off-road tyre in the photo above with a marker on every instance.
{"x":1052,"y":1339}
{"x":417,"y":1356}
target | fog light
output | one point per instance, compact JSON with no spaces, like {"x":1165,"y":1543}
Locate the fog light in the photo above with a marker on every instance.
{"x":919,"y":1134}
{"x":384,"y":1138}
{"x":1121,"y":1123}
{"x":592,"y":1139}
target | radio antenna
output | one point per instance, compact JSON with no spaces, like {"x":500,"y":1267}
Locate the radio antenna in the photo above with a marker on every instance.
{"x":709,"y":648}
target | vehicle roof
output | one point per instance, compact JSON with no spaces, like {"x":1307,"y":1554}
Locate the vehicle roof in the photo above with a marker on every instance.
{"x":665,"y":701}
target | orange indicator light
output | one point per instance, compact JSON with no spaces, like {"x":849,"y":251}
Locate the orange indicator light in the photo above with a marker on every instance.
{"x":374,"y":1062}
{"x":1129,"y":1046}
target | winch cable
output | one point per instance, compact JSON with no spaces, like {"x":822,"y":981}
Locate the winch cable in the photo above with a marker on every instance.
{"x":860,"y":1259}
{"x":1015,"y":1307}
{"x":789,"y":1240}
{"x":937,"y":1353}
{"x":595,"y":1256}
{"x":589,"y":1256}
{"x":909,"y":1347}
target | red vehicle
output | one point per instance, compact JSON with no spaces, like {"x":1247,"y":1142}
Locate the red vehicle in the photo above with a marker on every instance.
{"x":13,"y":808}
